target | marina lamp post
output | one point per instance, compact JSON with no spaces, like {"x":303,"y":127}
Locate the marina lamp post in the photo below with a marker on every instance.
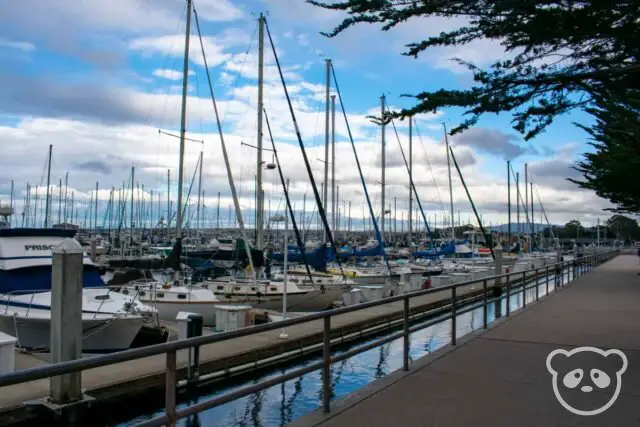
{"x":285,"y":219}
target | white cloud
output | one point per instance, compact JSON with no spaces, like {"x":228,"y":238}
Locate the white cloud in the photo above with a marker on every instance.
{"x":165,"y":73}
{"x":18,"y":45}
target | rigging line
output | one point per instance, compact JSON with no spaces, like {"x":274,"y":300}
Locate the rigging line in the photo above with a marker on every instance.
{"x":201,"y":141}
{"x":364,"y":185}
{"x":240,"y":71}
{"x":411,"y":183}
{"x":321,"y":209}
{"x":433,"y":177}
{"x":193,"y":178}
{"x":224,"y":153}
{"x":288,"y":201}
{"x":473,"y":206}
{"x":544,"y":211}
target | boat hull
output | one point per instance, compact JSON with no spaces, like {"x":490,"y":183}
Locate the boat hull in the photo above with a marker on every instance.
{"x":315,"y":300}
{"x":98,"y":335}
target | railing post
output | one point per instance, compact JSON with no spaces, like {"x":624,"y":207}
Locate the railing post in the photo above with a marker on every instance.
{"x":453,"y":316}
{"x":484,"y":303}
{"x":170,"y":389}
{"x":524,"y":289}
{"x":508,"y":294}
{"x":547,"y":278}
{"x":326,"y":368}
{"x":405,"y":347}
{"x":537,"y":285}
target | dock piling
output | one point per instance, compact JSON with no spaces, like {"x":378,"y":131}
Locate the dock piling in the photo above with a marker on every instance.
{"x":66,"y":319}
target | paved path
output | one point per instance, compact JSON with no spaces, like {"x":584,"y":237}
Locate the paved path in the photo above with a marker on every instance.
{"x":499,"y":378}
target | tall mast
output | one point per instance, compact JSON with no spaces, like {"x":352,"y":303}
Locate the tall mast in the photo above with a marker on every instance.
{"x":509,"y":200}
{"x":259,"y":192}
{"x":95,"y":214}
{"x":326,"y":139}
{"x":518,"y":204}
{"x":410,"y":179}
{"x":59,"y":200}
{"x":334,"y":198}
{"x":168,"y":197}
{"x":383,"y":157}
{"x":198,"y":225}
{"x":46,"y":207}
{"x":446,"y":141}
{"x":133,"y":172}
{"x":11,"y":202}
{"x":526,"y":194}
{"x":183,"y":120}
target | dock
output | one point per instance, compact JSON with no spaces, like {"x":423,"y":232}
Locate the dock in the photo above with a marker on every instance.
{"x":120,"y":381}
{"x":499,"y":377}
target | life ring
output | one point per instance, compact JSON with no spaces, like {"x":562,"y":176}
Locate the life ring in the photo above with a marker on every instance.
{"x":427,"y":283}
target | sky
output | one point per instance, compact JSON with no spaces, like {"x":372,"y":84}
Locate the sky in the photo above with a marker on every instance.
{"x":101,"y":82}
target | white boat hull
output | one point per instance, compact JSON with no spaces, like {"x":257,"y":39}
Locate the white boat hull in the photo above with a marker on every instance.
{"x":98,"y":336}
{"x":168,"y":311}
{"x":315,"y":300}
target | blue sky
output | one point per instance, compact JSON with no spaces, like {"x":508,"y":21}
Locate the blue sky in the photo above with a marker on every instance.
{"x":98,"y":79}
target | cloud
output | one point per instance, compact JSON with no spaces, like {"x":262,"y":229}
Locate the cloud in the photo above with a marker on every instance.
{"x":22,"y":46}
{"x":492,"y":141}
{"x":165,"y":73}
{"x":93,"y":166}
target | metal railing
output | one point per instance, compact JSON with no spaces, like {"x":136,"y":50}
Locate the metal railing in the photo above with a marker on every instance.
{"x":556,"y":271}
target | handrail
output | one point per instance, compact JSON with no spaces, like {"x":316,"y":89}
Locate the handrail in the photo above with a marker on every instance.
{"x":171,"y":348}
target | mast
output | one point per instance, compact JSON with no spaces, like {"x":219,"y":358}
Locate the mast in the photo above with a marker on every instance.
{"x":446,"y":141}
{"x":518,"y":205}
{"x":334,"y":198}
{"x":259,"y":192}
{"x":410,"y":180}
{"x":168,"y":196}
{"x":198,"y":225}
{"x":46,"y":207}
{"x":95,"y":214}
{"x":218,"y":213}
{"x":183,"y":121}
{"x":526,"y":196}
{"x":509,"y":200}
{"x":382,"y":105}
{"x":533,"y":221}
{"x":325,"y":190}
{"x":133,"y":171}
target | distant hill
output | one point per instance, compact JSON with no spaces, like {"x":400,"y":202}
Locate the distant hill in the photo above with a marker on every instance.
{"x":526,"y":228}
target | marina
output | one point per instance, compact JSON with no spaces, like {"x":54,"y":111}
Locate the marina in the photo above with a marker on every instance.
{"x":230,"y":230}
{"x":95,"y":380}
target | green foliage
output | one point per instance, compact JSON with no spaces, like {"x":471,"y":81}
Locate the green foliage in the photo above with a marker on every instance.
{"x":613,"y":170}
{"x":562,"y":54}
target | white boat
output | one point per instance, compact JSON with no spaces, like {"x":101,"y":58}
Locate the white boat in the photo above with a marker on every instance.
{"x":169,"y":300}
{"x":110,"y":321}
{"x":268,"y":294}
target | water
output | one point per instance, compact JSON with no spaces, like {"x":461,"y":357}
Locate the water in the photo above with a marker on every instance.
{"x":280,"y":404}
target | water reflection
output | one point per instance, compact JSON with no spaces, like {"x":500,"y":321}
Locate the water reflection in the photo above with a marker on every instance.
{"x":280,"y":404}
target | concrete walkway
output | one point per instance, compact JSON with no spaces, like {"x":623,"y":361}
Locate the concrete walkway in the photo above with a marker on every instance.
{"x":499,"y":377}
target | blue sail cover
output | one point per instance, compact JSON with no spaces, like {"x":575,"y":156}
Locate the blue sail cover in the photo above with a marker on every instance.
{"x":317,"y":259}
{"x":448,"y":248}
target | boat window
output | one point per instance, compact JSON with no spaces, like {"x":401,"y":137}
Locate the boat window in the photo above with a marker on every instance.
{"x":182,"y":296}
{"x":253,"y":289}
{"x":142,"y":293}
{"x":273,"y":289}
{"x":125,"y":291}
{"x":237,"y":288}
{"x":221,"y":288}
{"x":160,"y":294}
